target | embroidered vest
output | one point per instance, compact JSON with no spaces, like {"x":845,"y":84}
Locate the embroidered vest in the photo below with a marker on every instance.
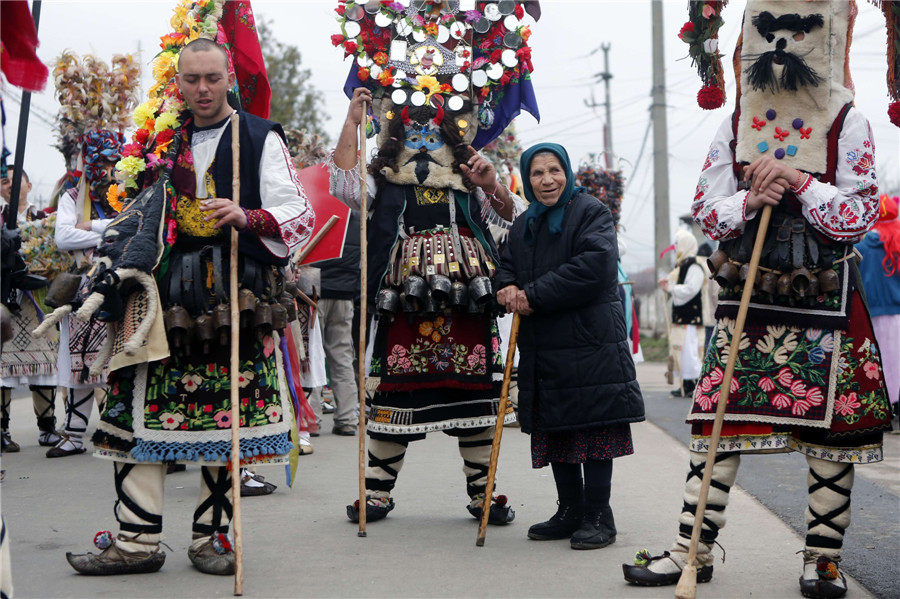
{"x":692,"y":311}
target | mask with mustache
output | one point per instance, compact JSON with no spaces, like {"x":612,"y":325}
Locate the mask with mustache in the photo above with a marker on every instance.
{"x":792,"y":80}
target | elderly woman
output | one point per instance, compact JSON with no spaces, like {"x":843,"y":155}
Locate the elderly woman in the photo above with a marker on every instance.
{"x":577,"y":385}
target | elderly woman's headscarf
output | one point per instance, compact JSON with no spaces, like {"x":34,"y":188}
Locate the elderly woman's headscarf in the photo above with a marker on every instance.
{"x":535,"y":210}
{"x":685,"y":245}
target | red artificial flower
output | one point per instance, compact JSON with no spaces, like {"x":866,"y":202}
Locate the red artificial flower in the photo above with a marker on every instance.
{"x":341,"y":9}
{"x":132,"y":149}
{"x":484,"y":91}
{"x":337,"y":39}
{"x":431,"y":28}
{"x":466,"y":65}
{"x":164,"y":136}
{"x":520,"y":12}
{"x":686,"y":28}
{"x":350,"y":47}
{"x":363,"y":74}
{"x":710,"y":97}
{"x":525,"y":32}
{"x":505,"y":78}
{"x":496,"y":55}
{"x":894,"y":113}
{"x":141,"y":136}
{"x":380,"y":58}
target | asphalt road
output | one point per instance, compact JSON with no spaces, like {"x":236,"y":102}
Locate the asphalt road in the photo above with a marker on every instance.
{"x":872,"y":543}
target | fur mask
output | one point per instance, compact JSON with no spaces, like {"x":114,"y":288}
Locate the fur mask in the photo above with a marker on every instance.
{"x":792,"y":79}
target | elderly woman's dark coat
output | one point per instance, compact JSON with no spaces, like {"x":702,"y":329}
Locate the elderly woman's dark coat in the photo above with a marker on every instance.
{"x":575,"y":364}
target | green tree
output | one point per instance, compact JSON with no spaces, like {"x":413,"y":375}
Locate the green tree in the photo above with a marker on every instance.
{"x":295,"y":102}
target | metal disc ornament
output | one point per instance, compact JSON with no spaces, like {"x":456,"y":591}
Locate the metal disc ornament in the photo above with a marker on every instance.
{"x":511,"y":22}
{"x":419,"y":35}
{"x":460,"y":82}
{"x":372,"y":6}
{"x":375,"y":71}
{"x":494,"y":71}
{"x":443,"y":34}
{"x":479,"y":78}
{"x":455,"y":103}
{"x":355,"y":12}
{"x":482,"y":25}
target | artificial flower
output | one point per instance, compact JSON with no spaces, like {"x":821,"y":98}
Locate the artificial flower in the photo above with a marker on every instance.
{"x":112,"y":198}
{"x":686,"y":29}
{"x":427,"y":84}
{"x":164,"y":66}
{"x":133,"y":149}
{"x":141,"y":136}
{"x":337,"y":39}
{"x":380,"y":58}
{"x":350,"y":47}
{"x":172,"y":40}
{"x":166,"y":120}
{"x":363,"y":74}
{"x":431,"y":29}
{"x":143,"y":113}
{"x":525,"y":33}
{"x":708,"y":11}
{"x":131,"y":165}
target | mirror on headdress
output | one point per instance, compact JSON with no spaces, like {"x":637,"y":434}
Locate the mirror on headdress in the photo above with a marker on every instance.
{"x":351,"y":28}
{"x":460,"y":82}
{"x":482,"y":25}
{"x":506,"y":7}
{"x":372,"y":6}
{"x":443,"y":34}
{"x":418,"y":98}
{"x":479,"y":78}
{"x":466,"y":5}
{"x":495,"y":71}
{"x":511,"y":39}
{"x":382,"y":20}
{"x":404,"y":27}
{"x":355,"y":12}
{"x":419,"y":35}
{"x":508,"y":58}
{"x":492,"y":13}
{"x":457,"y":30}
{"x":455,"y":103}
{"x":398,"y":50}
{"x":398,"y":97}
{"x":364,"y":61}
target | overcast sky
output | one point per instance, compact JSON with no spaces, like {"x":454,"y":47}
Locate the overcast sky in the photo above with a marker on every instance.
{"x":564,"y":42}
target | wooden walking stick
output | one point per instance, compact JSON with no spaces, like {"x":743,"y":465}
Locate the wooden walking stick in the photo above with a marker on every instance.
{"x":687,"y":583}
{"x":498,"y":430}
{"x":363,"y":305}
{"x":235,"y":365}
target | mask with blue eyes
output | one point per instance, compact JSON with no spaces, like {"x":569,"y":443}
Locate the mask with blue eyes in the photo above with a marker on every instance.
{"x":424,"y":136}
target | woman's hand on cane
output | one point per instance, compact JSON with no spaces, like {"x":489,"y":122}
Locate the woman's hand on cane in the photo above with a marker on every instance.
{"x":514,"y":300}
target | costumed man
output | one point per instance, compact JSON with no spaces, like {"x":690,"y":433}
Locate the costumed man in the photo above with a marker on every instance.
{"x":179,"y":409}
{"x":808,"y":375}
{"x":435,"y":361}
{"x":26,"y":359}
{"x":91,"y":120}
{"x":687,"y":286}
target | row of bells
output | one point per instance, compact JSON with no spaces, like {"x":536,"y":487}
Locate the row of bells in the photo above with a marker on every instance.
{"x":800,"y":282}
{"x":419,"y":295}
{"x":255,"y":315}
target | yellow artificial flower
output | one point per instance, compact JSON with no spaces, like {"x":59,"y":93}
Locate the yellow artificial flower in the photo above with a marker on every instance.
{"x":178,"y":18}
{"x":112,"y":198}
{"x":428,"y":84}
{"x":167,"y":120}
{"x":143,"y":112}
{"x":131,"y":165}
{"x":164,"y":66}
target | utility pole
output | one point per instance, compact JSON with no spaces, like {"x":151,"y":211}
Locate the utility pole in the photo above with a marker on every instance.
{"x":605,"y":75}
{"x":660,"y":147}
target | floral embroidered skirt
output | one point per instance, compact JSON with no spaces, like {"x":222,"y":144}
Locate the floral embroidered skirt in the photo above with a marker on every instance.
{"x":580,"y":446}
{"x":818,"y":392}
{"x":179,"y":409}
{"x":435,"y":373}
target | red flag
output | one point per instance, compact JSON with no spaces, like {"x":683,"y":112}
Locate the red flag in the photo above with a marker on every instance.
{"x":315,"y":183}
{"x":239,"y":27}
{"x":18,"y":41}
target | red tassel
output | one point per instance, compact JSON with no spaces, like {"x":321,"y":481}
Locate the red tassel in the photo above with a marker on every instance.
{"x":710,"y":97}
{"x":439,"y":117}
{"x":404,"y":116}
{"x":894,"y":113}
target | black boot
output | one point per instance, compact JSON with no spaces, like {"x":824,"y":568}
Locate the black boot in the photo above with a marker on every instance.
{"x":598,"y":528}
{"x":561,"y":525}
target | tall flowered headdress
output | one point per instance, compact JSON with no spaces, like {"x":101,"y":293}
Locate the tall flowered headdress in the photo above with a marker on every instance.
{"x":96,"y":100}
{"x":232,"y":26}
{"x":466,"y":58}
{"x":701,"y":33}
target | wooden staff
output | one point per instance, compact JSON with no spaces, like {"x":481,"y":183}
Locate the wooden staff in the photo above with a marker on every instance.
{"x":687,"y":583}
{"x":363,"y":305}
{"x":235,"y":365}
{"x":498,"y":430}
{"x":300,"y":256}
